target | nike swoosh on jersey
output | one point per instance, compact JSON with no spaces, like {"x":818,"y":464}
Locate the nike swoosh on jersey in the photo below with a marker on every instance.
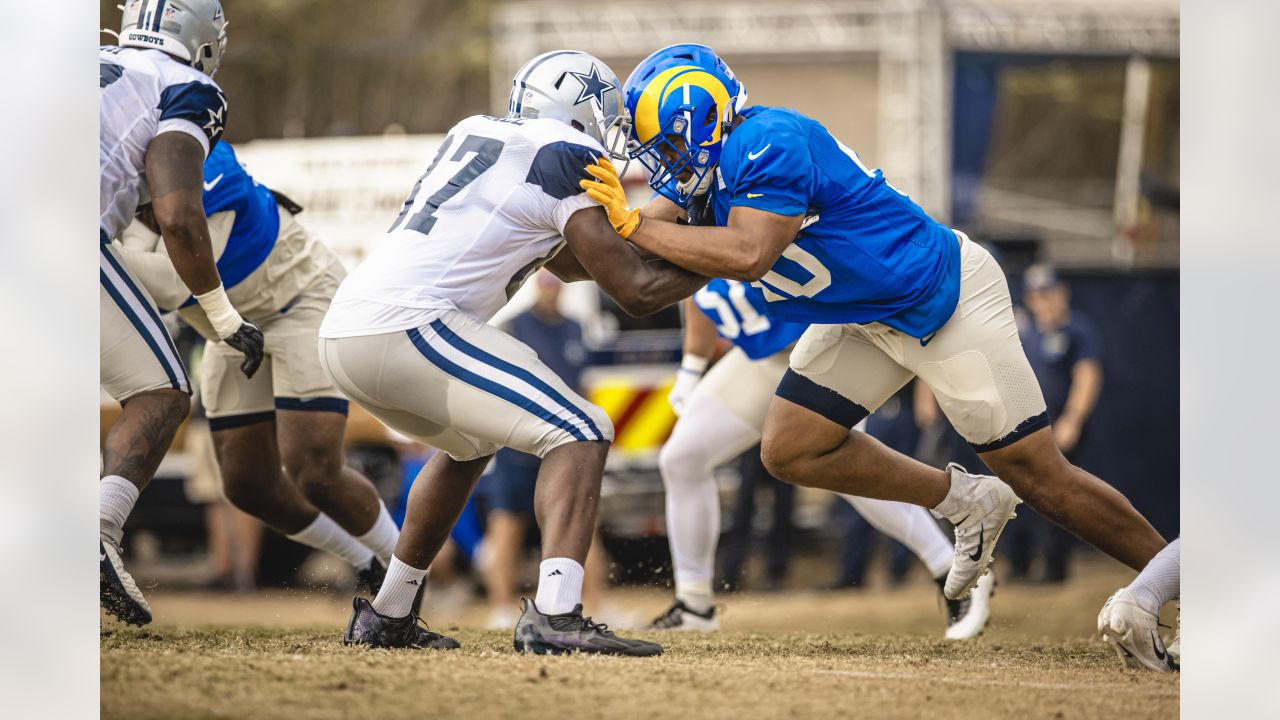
{"x":213,"y":183}
{"x":758,"y":153}
{"x":754,"y":195}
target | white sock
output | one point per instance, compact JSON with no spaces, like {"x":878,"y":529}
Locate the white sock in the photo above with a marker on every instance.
{"x":382,"y":537}
{"x":325,"y":534}
{"x":910,"y":525}
{"x":1160,"y":581}
{"x":696,"y":594}
{"x":958,"y":497}
{"x":395,"y":599}
{"x":116,"y":497}
{"x":559,"y":586}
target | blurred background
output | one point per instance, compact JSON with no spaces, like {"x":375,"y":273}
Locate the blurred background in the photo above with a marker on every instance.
{"x":1047,"y":130}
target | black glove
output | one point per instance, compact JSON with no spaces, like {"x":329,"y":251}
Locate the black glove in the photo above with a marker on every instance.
{"x":248,"y":340}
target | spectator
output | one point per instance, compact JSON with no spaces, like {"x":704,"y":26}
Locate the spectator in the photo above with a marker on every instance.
{"x":1065,"y":352}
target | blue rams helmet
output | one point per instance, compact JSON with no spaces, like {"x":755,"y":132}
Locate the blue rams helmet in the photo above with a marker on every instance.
{"x":682,"y":100}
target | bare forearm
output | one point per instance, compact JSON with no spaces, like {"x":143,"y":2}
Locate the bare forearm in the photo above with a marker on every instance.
{"x":660,"y":284}
{"x":710,"y":251}
{"x":191,"y":250}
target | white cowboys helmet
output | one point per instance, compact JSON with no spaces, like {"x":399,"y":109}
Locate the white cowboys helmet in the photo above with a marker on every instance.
{"x":193,"y":30}
{"x":575,"y":88}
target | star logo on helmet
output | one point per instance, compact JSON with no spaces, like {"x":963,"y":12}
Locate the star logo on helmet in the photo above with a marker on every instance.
{"x":214,"y":126}
{"x":592,"y":87}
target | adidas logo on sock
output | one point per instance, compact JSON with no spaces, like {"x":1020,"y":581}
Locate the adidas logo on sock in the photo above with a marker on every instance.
{"x":412,"y":582}
{"x":555,"y":572}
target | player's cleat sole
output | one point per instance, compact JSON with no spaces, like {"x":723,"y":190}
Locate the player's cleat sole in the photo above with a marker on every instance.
{"x":117,"y":592}
{"x":978,"y":528}
{"x":968,"y":617}
{"x":570,"y":632}
{"x":1134,"y":633}
{"x":370,"y":629}
{"x":680,"y":618}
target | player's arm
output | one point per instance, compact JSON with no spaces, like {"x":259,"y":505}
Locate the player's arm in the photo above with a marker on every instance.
{"x":640,"y":287}
{"x":744,"y":249}
{"x":175,"y":178}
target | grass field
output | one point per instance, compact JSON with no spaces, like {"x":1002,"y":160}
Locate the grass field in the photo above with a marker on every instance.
{"x":872,"y":654}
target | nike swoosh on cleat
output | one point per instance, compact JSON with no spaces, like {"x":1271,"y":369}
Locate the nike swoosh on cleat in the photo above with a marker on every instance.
{"x":758,"y":153}
{"x":1159,"y":647}
{"x":976,"y":555}
{"x":213,"y":183}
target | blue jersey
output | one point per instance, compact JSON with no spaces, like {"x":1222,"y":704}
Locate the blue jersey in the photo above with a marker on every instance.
{"x":741,"y":315}
{"x":227,"y":186}
{"x":865,"y":253}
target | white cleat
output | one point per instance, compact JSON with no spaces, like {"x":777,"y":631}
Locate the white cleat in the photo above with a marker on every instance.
{"x":1134,"y":633}
{"x":680,"y":618}
{"x":1175,"y":647}
{"x":117,"y":592}
{"x":978,"y":528}
{"x":967,"y":617}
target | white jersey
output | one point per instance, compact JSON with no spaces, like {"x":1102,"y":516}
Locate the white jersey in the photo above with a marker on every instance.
{"x":145,"y":93}
{"x":488,"y":212}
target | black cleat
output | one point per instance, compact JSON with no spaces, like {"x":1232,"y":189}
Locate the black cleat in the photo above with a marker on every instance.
{"x":370,"y":577}
{"x":367,"y":627}
{"x":568,"y":633}
{"x":680,"y":617}
{"x":117,"y":592}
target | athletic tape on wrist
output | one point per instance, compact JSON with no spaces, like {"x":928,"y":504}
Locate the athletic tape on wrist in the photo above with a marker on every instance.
{"x":222,"y":316}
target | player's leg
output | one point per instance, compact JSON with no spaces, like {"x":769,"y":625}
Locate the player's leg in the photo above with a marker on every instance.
{"x":839,"y":375}
{"x":468,"y":389}
{"x":140,"y":367}
{"x":311,"y":420}
{"x":722,"y":420}
{"x":977,"y":369}
{"x":1130,"y":618}
{"x":244,"y":423}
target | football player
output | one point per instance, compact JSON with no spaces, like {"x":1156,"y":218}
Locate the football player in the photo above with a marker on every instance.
{"x":722,"y":414}
{"x":160,"y":113}
{"x":278,"y":436}
{"x":406,"y":338}
{"x":892,"y":294}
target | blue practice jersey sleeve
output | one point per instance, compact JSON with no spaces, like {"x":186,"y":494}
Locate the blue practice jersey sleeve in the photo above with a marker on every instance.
{"x":773,"y":173}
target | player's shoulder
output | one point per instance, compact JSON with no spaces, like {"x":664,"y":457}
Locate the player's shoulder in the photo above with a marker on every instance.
{"x":771,"y":124}
{"x":765,"y":137}
{"x":560,"y":155}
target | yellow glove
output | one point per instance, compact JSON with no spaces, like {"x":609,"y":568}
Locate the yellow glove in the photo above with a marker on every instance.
{"x":607,"y":190}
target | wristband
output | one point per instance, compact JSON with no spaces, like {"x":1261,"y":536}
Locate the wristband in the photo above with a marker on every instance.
{"x":224,"y":318}
{"x":694,"y":364}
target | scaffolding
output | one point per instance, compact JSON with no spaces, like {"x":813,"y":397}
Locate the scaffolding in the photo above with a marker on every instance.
{"x":912,"y":41}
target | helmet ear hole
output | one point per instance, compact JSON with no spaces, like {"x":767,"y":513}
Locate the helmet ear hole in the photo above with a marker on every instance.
{"x":710,"y":116}
{"x":578,"y":126}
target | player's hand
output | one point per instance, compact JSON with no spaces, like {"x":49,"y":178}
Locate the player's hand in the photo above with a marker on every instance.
{"x":248,"y":340}
{"x":607,"y":190}
{"x":686,"y":381}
